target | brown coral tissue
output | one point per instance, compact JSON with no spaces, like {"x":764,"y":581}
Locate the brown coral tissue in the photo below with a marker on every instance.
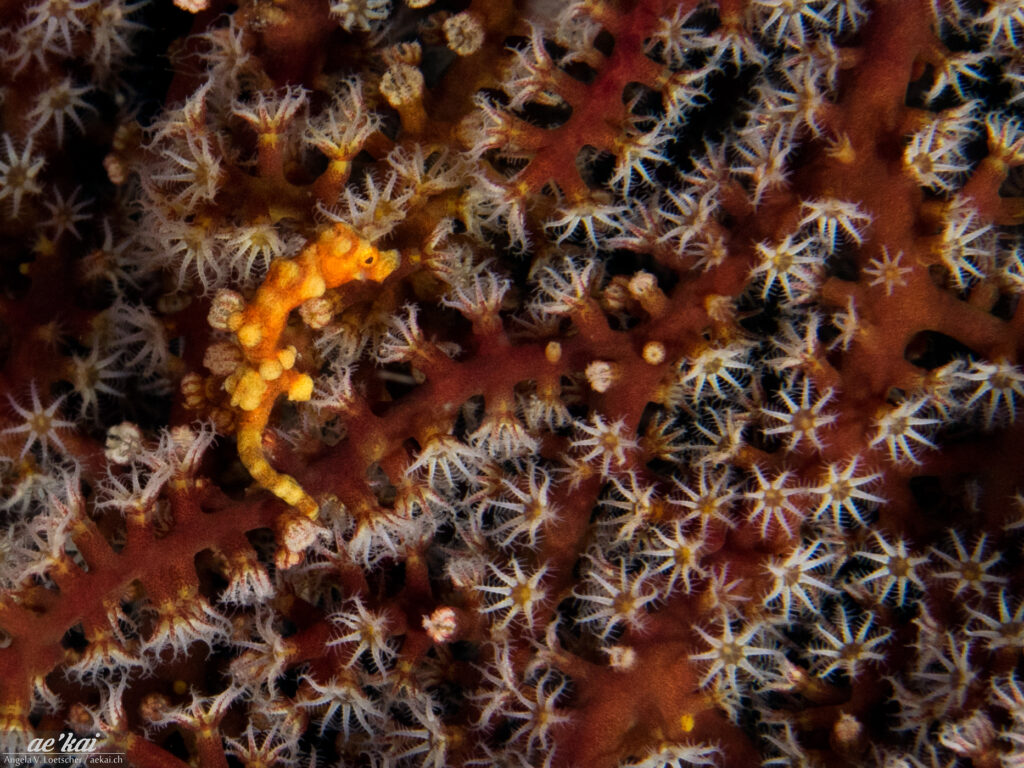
{"x":512,"y":383}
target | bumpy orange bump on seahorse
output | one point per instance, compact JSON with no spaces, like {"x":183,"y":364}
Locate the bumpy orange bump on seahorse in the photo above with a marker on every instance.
{"x":337,"y":257}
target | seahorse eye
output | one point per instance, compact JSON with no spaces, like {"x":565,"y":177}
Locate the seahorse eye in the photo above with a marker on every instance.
{"x":368,"y":261}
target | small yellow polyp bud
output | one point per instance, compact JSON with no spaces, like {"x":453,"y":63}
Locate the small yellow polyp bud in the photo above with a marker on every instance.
{"x":417,"y":4}
{"x":686,"y":723}
{"x":553,"y":352}
{"x":249,"y":335}
{"x":601,"y":375}
{"x":643,"y":287}
{"x":248,"y":391}
{"x":463,"y":33}
{"x":301,"y":389}
{"x":192,"y":6}
{"x":615,"y":296}
{"x":654,"y":353}
{"x":286,"y":357}
{"x":642,"y":283}
{"x":225,"y":306}
{"x":270,"y":370}
{"x":402,"y":85}
{"x":848,"y":736}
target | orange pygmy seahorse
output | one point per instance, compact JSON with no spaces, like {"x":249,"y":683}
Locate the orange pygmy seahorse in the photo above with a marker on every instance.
{"x":336,"y":257}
